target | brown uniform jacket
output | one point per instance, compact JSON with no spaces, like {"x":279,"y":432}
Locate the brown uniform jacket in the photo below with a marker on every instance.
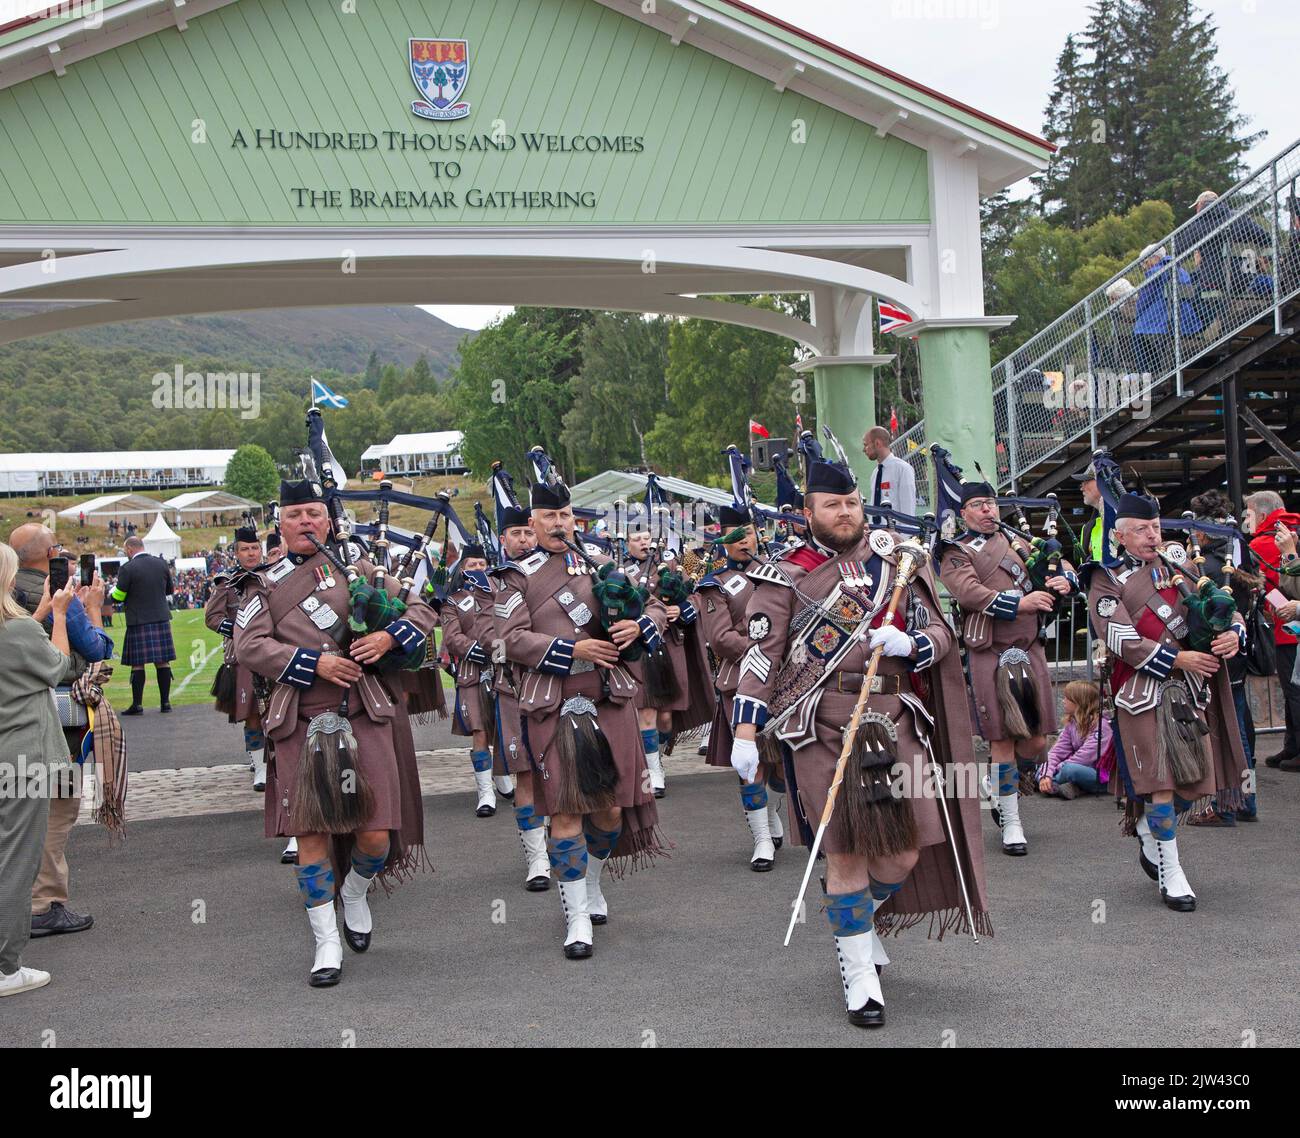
{"x":722,"y":599}
{"x":462,"y":624}
{"x":987,"y":579}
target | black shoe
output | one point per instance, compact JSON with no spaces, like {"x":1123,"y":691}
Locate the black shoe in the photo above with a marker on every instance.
{"x":871,"y":1014}
{"x":1015,"y":849}
{"x":761,"y":864}
{"x":1179,"y":904}
{"x":60,"y":919}
{"x":288,"y":858}
{"x":1277,"y":760}
{"x":537,"y":884}
{"x":578,"y":950}
{"x":660,"y":792}
{"x":165,"y":707}
{"x":1148,"y":866}
{"x":777,"y":842}
{"x":1291,"y":765}
{"x":325,"y":977}
{"x":485,"y":811}
{"x":599,"y":918}
{"x":358,"y":942}
{"x":134,"y":709}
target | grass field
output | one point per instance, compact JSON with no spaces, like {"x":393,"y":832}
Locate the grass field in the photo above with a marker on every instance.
{"x":198,"y":656}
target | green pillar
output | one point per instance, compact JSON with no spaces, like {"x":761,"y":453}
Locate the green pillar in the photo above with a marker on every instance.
{"x":846,"y":402}
{"x":957,"y":394}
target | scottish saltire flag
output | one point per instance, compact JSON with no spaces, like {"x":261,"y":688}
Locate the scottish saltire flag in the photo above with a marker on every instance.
{"x":891,"y":317}
{"x":322,"y":394}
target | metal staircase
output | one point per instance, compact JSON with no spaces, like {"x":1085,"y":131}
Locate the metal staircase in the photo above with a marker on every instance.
{"x":1151,"y":360}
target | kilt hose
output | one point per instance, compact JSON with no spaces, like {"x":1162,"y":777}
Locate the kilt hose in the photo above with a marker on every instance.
{"x":148,"y":644}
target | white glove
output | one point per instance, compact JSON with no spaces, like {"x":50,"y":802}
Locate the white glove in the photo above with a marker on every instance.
{"x":744,"y":758}
{"x":894,"y":640}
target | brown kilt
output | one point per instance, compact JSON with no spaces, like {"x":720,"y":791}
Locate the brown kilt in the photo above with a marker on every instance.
{"x":468,"y":715}
{"x":377,"y":746}
{"x":509,"y":756}
{"x":983,"y":675}
{"x":720,"y":734}
{"x":640,"y":839}
{"x":1225,"y":761}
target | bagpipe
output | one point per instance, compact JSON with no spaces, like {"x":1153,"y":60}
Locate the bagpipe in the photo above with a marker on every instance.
{"x":618,"y":597}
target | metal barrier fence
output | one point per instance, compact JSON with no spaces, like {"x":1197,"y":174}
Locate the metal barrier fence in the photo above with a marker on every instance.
{"x":1129,"y":341}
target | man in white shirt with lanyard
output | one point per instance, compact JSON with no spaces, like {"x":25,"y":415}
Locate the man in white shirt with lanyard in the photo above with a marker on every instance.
{"x":893,"y":485}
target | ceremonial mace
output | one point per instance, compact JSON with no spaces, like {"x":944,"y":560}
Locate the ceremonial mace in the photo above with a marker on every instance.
{"x":911,"y":554}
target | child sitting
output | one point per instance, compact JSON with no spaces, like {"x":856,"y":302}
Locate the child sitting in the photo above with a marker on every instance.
{"x":1073,"y":765}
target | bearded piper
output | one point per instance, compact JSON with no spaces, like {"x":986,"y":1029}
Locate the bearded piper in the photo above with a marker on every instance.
{"x":829,"y":619}
{"x":342,"y":777}
{"x":576,"y":699}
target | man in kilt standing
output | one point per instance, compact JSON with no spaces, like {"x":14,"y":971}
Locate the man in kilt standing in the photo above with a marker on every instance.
{"x":343,"y":776}
{"x":903,"y":841}
{"x":143,"y":585}
{"x":462,"y":615}
{"x":1000,"y":610}
{"x":578,"y":724}
{"x":239,"y":691}
{"x":724,"y":595}
{"x":1176,"y":717}
{"x":517,"y":541}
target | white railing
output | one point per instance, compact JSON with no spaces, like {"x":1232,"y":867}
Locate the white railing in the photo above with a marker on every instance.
{"x":1232,"y":265}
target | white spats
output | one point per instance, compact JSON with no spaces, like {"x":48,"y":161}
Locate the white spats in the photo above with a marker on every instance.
{"x":858,"y":972}
{"x":577,"y":921}
{"x":879,"y":957}
{"x":1013,"y":833}
{"x":324,"y":927}
{"x":487,"y":797}
{"x":764,"y":850}
{"x":1150,"y":847}
{"x":356,"y":911}
{"x":537,"y":864}
{"x":774,"y":824}
{"x":656,"y":768}
{"x":1174,"y":887}
{"x":597,"y":906}
{"x":258,"y":759}
{"x":505,"y":784}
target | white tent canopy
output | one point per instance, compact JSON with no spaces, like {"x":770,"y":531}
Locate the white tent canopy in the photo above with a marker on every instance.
{"x":210,"y":502}
{"x":114,"y":506}
{"x":161,"y":541}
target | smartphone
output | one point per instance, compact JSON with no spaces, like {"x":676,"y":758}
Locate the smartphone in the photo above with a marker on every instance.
{"x":87,"y":569}
{"x":58,"y":574}
{"x":1275,"y":598}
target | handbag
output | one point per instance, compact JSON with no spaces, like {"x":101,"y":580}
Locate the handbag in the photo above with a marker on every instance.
{"x":1261,"y":653}
{"x":71,"y":713}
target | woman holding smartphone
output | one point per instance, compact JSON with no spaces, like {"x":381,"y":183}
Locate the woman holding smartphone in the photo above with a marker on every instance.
{"x":32,"y":744}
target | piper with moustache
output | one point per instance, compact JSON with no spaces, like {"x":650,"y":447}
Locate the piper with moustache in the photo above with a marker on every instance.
{"x":343,"y":778}
{"x":1000,"y":608}
{"x":847,"y":614}
{"x":239,"y":691}
{"x":563,"y":627}
{"x":1173,"y":698}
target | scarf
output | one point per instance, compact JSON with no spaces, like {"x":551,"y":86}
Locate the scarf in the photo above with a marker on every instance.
{"x":108,"y":744}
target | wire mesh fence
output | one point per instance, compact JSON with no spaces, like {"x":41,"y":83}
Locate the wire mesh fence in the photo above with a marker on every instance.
{"x":1232,"y":265}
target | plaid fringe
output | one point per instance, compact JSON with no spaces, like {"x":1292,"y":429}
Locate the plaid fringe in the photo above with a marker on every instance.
{"x":648,"y":845}
{"x":109,"y":749}
{"x":942,"y":922}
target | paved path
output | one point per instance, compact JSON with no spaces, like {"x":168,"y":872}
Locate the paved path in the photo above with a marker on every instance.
{"x":200,"y":938}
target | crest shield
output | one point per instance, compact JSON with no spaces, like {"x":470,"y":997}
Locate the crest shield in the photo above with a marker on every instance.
{"x":440,"y":69}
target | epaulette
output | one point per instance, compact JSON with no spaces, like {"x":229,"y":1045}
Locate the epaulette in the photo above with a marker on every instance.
{"x":709,"y":582}
{"x":767,"y":571}
{"x":788,"y":548}
{"x":477,"y":581}
{"x":530,"y":564}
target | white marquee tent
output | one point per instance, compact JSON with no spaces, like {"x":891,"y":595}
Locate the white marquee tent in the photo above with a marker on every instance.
{"x":161,"y":541}
{"x":135,"y":507}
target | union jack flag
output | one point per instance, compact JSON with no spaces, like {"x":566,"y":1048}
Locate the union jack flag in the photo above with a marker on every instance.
{"x":891,"y":317}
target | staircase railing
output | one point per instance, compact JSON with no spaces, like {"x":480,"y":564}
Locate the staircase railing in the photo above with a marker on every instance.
{"x":1231,"y":265}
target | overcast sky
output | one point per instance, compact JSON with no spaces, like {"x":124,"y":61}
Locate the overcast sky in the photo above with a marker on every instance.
{"x":999,"y":56}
